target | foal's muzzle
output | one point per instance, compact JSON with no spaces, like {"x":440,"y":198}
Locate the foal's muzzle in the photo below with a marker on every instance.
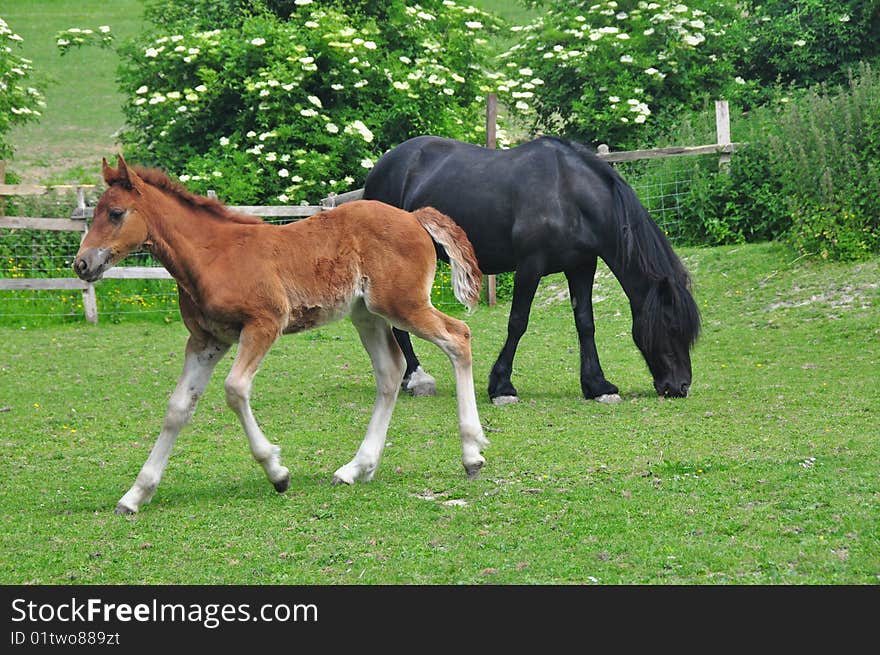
{"x":91,"y":264}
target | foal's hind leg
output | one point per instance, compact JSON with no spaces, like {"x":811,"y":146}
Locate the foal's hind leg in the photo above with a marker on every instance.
{"x":453,"y":337}
{"x":388,"y":367}
{"x":254,"y":341}
{"x":202,"y":355}
{"x":580,"y":287}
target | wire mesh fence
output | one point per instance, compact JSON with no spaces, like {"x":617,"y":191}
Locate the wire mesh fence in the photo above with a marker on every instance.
{"x":661,"y":184}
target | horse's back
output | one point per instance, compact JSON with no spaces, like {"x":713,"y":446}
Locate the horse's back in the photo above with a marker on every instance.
{"x":542,"y":195}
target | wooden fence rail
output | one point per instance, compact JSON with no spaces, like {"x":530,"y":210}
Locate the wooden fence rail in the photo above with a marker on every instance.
{"x":78,"y":220}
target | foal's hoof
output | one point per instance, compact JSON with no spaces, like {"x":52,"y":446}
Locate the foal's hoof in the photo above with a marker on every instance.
{"x":282,"y":485}
{"x":608,"y":398}
{"x":337,"y":481}
{"x":473,"y":470}
{"x":123,"y":510}
{"x":504,"y":400}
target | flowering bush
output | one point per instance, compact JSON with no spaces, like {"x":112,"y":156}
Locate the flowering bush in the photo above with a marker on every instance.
{"x":602,"y":73}
{"x":18,"y":103}
{"x":802,"y":42}
{"x":289,"y":101}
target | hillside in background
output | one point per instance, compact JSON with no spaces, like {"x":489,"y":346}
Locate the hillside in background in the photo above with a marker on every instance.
{"x":83,"y":105}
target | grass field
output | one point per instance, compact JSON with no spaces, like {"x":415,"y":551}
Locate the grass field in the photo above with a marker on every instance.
{"x":767,"y":474}
{"x":84,"y":107}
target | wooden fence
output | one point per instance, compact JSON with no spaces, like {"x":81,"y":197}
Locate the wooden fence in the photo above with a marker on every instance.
{"x":78,"y":221}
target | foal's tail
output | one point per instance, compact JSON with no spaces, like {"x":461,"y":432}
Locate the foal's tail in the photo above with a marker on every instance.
{"x":467,"y":279}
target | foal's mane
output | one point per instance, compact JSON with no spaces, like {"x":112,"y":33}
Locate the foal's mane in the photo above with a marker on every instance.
{"x":158,"y":179}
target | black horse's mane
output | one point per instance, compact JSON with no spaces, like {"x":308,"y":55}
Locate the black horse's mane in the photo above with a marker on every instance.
{"x":639,"y":236}
{"x":640,"y":240}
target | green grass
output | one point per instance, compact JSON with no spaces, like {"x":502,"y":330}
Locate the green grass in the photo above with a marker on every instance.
{"x":84,"y":107}
{"x":767,"y":474}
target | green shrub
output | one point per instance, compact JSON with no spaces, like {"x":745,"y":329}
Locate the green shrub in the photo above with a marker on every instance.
{"x":613,"y":71}
{"x":810,"y":175}
{"x":19,"y":103}
{"x":288,"y":101}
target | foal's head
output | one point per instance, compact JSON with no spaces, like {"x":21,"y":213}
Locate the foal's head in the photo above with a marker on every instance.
{"x":118,"y":226}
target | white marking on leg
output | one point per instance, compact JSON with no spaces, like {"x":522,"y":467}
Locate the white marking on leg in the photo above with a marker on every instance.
{"x":238,"y":391}
{"x":388,"y":368}
{"x":197,"y":368}
{"x":608,"y":398}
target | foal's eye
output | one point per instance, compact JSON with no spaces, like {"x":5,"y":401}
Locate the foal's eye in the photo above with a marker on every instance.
{"x":116,"y":215}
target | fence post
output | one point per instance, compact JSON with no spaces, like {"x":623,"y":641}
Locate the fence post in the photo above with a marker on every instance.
{"x":722,"y":133}
{"x":90,"y":300}
{"x":491,"y":120}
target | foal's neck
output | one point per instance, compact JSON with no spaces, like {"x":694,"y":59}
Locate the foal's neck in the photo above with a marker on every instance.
{"x":182,"y":235}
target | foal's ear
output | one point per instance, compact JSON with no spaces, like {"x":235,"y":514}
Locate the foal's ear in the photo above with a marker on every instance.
{"x":108,"y":173}
{"x":122,"y":175}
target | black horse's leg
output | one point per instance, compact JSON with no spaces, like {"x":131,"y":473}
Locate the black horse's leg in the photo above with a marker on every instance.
{"x":580,"y":286}
{"x":525,"y":283}
{"x":415,"y":380}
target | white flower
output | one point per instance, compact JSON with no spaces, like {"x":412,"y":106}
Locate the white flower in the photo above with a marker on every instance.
{"x":142,"y":89}
{"x":370,"y":45}
{"x":258,"y":41}
{"x":302,"y":2}
{"x":271,"y":156}
{"x":739,"y":80}
{"x":473,"y":24}
{"x":308,"y":112}
{"x":296,"y":178}
{"x":844,"y":18}
{"x":626,"y":59}
{"x":306,"y":60}
{"x":311,"y":24}
{"x":251,"y":134}
{"x":151,"y":52}
{"x":525,"y":72}
{"x":332,"y":128}
{"x":521,"y":105}
{"x":402,"y":86}
{"x":283,"y":197}
{"x":201,"y":88}
{"x":424,"y":16}
{"x":283,"y":173}
{"x":640,"y":118}
{"x":104,"y":28}
{"x":613,"y":99}
{"x":174,"y":95}
{"x":800,"y":43}
{"x":694,"y":39}
{"x":366,"y":163}
{"x":335,"y":87}
{"x":315,"y":100}
{"x":224,"y":141}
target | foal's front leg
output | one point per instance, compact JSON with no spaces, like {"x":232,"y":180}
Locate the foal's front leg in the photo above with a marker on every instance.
{"x":202,"y":355}
{"x":254,"y":342}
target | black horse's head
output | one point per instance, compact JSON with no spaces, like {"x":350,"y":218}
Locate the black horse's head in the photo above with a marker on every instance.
{"x":665,"y":328}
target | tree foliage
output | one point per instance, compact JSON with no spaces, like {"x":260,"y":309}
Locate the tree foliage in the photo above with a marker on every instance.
{"x":19,"y":103}
{"x":291,"y":100}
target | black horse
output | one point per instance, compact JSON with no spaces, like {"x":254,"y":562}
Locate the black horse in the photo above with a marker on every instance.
{"x":544,"y":207}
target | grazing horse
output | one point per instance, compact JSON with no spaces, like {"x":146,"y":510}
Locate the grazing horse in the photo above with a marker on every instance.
{"x":544,"y":207}
{"x":242,"y":280}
